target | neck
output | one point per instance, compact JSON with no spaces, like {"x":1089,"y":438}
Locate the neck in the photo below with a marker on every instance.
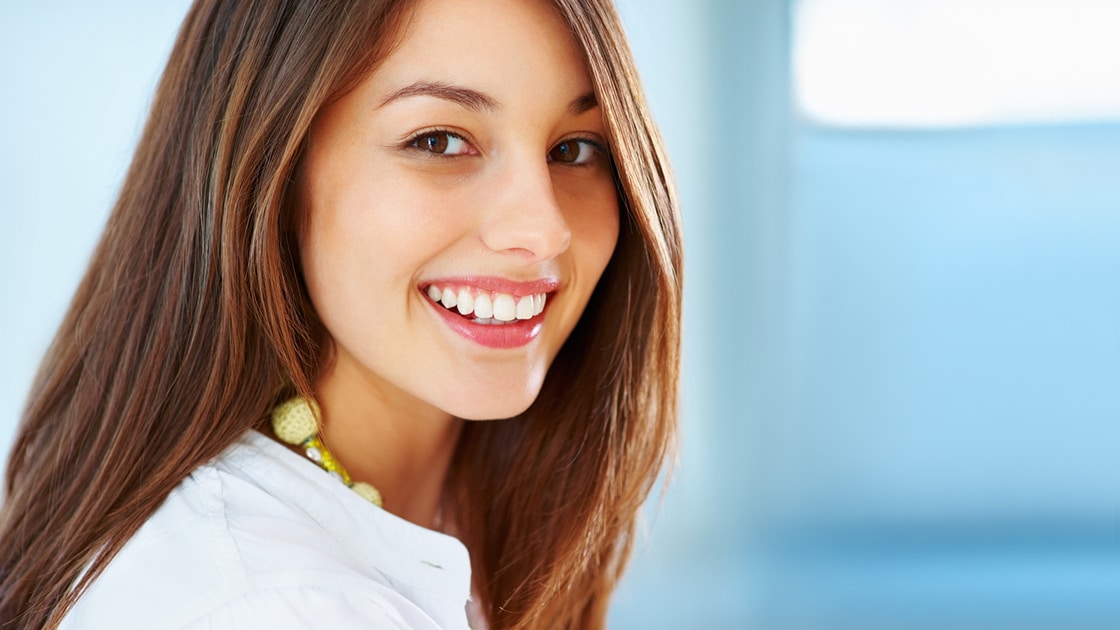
{"x":389,"y":439}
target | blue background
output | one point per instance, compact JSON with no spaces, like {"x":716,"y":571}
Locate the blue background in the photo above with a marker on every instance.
{"x":902,"y":366}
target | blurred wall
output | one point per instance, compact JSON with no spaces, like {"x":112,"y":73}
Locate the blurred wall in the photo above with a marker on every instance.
{"x":903,"y":360}
{"x":77,"y":78}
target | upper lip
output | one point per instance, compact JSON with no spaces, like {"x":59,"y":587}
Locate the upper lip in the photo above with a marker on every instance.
{"x":497,"y":284}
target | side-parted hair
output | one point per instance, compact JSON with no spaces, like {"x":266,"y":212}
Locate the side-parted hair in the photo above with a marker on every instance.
{"x":192,"y":320}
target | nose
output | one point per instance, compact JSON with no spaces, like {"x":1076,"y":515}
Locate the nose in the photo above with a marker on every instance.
{"x":526,"y":218}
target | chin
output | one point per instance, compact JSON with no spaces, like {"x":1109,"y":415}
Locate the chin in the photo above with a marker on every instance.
{"x":496,"y":405}
{"x":493,"y":412}
{"x":493,"y":394}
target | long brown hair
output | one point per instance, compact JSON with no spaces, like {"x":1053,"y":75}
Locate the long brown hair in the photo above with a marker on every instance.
{"x":192,"y":315}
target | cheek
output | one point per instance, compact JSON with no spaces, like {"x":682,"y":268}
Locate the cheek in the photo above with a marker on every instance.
{"x":377,"y":227}
{"x":595,"y":232}
{"x":416,"y":214}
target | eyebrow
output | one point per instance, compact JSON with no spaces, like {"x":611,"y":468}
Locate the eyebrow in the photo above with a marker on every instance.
{"x":466,"y":97}
{"x":473,"y":99}
{"x":583,"y":103}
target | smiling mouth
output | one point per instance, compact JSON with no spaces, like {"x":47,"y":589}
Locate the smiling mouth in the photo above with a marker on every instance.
{"x":487,"y":307}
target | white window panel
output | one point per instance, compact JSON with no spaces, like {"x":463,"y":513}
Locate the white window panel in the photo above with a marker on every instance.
{"x":945,"y":63}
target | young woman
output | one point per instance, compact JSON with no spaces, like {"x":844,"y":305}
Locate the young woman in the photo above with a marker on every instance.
{"x":431,"y":247}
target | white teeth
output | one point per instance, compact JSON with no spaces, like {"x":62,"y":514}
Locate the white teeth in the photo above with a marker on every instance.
{"x":504,"y":308}
{"x":488,"y":308}
{"x":449,"y":299}
{"x":466,"y":302}
{"x":483,"y":308}
{"x":525,"y":307}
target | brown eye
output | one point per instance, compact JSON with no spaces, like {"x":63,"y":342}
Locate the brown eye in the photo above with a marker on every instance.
{"x":570,"y":152}
{"x":441,"y":143}
{"x":577,"y":151}
{"x":566,"y":152}
{"x":435,"y":143}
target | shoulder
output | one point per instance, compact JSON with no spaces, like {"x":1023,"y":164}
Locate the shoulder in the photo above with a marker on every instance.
{"x":229,"y":549}
{"x":279,"y":607}
{"x":312,"y":606}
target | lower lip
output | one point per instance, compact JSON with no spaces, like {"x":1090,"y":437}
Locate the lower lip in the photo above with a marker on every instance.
{"x":512,"y":335}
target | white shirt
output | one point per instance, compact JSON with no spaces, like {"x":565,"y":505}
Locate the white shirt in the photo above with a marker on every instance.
{"x":262,"y":538}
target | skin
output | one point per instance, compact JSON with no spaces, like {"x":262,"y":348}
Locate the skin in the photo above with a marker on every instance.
{"x":519,"y":191}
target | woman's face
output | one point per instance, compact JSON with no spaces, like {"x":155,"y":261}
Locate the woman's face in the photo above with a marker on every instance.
{"x":457,"y":191}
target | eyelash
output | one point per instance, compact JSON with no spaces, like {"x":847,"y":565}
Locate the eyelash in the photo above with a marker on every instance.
{"x":413,"y":143}
{"x":598,"y":147}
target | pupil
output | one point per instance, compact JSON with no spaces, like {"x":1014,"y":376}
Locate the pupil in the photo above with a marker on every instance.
{"x":436,"y":143}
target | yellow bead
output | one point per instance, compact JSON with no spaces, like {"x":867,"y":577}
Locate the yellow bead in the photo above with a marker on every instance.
{"x":327,"y":461}
{"x":367,"y":492}
{"x":295,"y":421}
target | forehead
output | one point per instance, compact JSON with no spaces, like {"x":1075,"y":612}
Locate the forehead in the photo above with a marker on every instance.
{"x":501,"y":47}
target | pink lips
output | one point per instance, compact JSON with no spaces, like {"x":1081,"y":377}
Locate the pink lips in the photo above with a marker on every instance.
{"x":513,"y":334}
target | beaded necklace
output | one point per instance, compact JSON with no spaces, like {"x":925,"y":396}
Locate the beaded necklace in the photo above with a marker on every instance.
{"x":296,"y":422}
